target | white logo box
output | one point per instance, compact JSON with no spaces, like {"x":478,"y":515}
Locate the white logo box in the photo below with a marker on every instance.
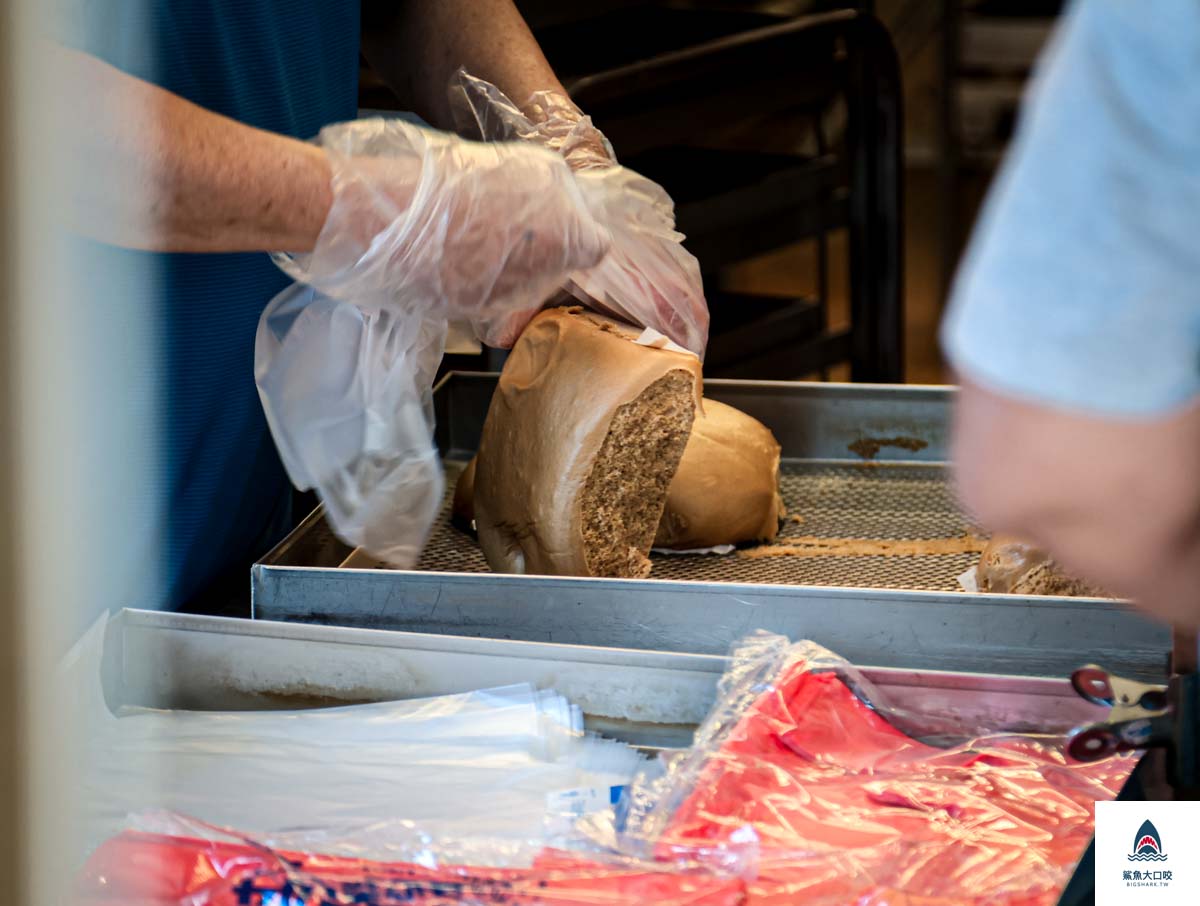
{"x":1148,"y":852}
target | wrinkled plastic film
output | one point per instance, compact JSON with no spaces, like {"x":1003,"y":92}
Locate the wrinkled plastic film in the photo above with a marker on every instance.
{"x":801,"y":770}
{"x":647,"y":278}
{"x":347,"y":392}
{"x":177,"y":861}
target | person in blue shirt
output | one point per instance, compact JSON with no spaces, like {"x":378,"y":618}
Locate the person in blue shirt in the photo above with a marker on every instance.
{"x":191,"y":119}
{"x":1074,"y":323}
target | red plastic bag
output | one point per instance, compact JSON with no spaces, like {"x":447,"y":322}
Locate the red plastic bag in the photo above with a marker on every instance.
{"x":163,"y":870}
{"x":843,"y":808}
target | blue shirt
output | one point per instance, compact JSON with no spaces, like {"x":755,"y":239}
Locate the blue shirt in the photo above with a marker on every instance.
{"x":1081,"y":285}
{"x":289,"y":66}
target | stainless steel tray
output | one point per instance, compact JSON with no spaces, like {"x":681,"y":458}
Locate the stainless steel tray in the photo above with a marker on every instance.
{"x":896,"y":611}
{"x":647,"y":698}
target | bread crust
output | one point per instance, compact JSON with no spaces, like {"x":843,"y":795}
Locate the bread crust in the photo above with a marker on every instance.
{"x":726,"y":489}
{"x":566,"y":378}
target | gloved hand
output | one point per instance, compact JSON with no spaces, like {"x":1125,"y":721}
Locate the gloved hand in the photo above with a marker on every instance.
{"x":647,"y":278}
{"x":424,"y":227}
{"x":444,"y":226}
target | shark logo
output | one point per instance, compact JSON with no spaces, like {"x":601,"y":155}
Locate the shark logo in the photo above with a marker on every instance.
{"x":1147,"y":845}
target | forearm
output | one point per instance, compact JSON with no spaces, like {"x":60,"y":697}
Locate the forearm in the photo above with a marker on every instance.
{"x":415,"y":46}
{"x":151,"y":170}
{"x":1116,"y":501}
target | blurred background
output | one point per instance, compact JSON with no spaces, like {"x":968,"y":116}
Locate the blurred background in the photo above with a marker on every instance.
{"x":827,"y":161}
{"x":827,"y":175}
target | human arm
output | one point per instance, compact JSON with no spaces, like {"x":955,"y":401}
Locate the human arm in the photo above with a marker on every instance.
{"x":416,"y":46}
{"x":386,"y":204}
{"x":151,"y":170}
{"x":1116,"y":500}
{"x":1075,"y":324}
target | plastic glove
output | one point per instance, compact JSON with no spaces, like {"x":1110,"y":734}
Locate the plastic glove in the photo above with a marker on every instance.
{"x":443,"y":225}
{"x":347,"y":395}
{"x":424,"y":227}
{"x":647,"y":278}
{"x":553,"y":121}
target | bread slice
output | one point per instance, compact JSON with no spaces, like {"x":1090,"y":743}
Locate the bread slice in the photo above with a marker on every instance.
{"x":584,"y":434}
{"x":726,"y":490}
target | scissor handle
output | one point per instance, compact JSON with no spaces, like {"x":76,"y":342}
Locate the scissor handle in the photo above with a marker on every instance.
{"x":1092,"y":683}
{"x":1093,"y":743}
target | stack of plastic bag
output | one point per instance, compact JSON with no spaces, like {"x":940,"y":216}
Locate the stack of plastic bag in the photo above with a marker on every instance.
{"x":801,"y":768}
{"x":508,"y":765}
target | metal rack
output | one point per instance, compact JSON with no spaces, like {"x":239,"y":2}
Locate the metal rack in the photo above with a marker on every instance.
{"x":831,"y":500}
{"x":829,"y":82}
{"x":310,"y":577}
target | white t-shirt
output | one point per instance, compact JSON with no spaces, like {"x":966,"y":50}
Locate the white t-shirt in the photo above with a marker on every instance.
{"x":1081,"y":285}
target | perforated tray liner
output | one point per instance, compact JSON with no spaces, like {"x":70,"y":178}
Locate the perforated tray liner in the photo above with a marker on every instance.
{"x":874,"y":501}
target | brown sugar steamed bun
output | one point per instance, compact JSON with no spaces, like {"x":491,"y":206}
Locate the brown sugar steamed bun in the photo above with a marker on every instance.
{"x":726,"y":489}
{"x":584,"y":434}
{"x":462,"y":509}
{"x":1012,"y":566}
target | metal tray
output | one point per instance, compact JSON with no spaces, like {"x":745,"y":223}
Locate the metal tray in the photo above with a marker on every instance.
{"x":894,"y":611}
{"x":646,"y":698}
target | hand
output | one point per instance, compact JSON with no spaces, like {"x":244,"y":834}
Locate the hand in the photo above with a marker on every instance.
{"x":559,"y":125}
{"x":430,"y":222}
{"x":648,"y":278}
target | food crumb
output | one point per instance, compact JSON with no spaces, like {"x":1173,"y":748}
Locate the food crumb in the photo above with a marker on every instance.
{"x":869,"y":447}
{"x":811,"y":546}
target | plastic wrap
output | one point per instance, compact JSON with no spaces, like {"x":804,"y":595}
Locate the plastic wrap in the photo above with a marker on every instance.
{"x":647,"y":278}
{"x":183,"y":863}
{"x":801,"y":769}
{"x":496,"y":766}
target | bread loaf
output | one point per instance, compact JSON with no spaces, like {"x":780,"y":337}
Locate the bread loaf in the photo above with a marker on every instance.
{"x":584,"y":434}
{"x":462,"y":509}
{"x":1012,"y":566}
{"x":726,"y":489}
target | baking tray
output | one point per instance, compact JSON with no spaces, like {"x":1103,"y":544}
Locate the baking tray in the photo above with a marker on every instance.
{"x":860,"y":461}
{"x":646,"y":698}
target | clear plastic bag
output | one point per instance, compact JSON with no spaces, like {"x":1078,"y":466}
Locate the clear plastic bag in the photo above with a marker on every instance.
{"x":424,"y":227}
{"x":647,"y":278}
{"x":800,"y":788}
{"x":802,"y":772}
{"x":501,"y":766}
{"x":177,"y":862}
{"x":347,"y":392}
